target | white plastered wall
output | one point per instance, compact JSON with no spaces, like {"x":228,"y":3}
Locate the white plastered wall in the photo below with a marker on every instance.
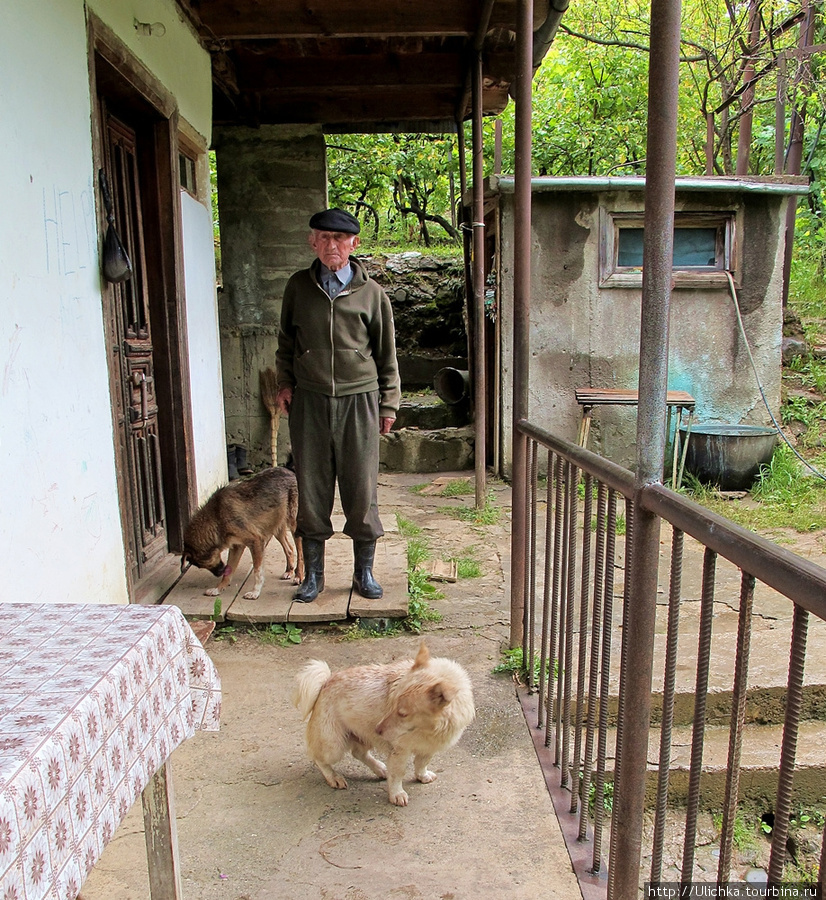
{"x":60,"y":525}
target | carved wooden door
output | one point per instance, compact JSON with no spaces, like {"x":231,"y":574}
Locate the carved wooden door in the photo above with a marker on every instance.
{"x":132,"y":370}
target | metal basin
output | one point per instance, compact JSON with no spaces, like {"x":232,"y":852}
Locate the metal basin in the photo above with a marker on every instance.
{"x":728,"y":456}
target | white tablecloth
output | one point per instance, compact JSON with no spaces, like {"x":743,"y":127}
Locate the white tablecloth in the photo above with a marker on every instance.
{"x":93,"y":700}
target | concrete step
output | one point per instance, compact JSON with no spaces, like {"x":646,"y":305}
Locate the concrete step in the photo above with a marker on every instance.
{"x":760,"y":759}
{"x":431,"y":451}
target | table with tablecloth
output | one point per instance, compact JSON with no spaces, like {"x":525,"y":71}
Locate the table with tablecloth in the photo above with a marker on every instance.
{"x":93,"y":700}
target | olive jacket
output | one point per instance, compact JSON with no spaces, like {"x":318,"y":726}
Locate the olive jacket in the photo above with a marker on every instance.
{"x":342,"y":346}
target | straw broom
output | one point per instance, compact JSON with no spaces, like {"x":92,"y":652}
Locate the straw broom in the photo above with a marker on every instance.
{"x":269,"y":391}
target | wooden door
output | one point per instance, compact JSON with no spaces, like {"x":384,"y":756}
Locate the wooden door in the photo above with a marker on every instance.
{"x":132,"y":374}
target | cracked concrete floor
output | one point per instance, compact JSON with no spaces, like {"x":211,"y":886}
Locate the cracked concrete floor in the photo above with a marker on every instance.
{"x":255,"y":820}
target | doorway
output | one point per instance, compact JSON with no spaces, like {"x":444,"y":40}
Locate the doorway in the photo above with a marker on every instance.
{"x":136,"y":153}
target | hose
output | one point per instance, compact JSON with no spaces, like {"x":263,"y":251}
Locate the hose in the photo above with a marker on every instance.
{"x":760,"y":386}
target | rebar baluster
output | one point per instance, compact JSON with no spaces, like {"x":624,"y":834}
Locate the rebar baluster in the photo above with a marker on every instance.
{"x":791,"y":724}
{"x":593,"y":675}
{"x":573,"y":485}
{"x":700,"y":693}
{"x":669,"y":683}
{"x":605,"y":687}
{"x":558,"y":514}
{"x":738,"y":717}
{"x":624,"y":653}
{"x":564,"y":600}
{"x":530,"y":569}
{"x":584,"y":585}
{"x":541,"y":706}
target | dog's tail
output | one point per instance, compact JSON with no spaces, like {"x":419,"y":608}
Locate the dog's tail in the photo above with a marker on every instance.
{"x":309,"y":682}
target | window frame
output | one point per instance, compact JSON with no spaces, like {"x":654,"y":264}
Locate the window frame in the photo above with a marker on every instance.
{"x":613,"y":275}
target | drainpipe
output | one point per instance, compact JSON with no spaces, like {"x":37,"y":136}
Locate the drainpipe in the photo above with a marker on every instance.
{"x":635,"y":683}
{"x":521,"y":310}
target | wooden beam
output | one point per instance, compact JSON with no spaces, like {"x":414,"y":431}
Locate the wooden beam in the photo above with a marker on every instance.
{"x":247,"y":20}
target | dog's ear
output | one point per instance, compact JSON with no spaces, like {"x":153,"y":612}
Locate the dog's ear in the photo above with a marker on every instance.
{"x":440,"y":694}
{"x":422,"y":657}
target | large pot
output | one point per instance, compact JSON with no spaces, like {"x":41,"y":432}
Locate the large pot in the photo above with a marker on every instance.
{"x":728,"y":456}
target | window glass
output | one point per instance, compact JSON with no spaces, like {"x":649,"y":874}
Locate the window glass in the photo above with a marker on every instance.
{"x":693,"y":247}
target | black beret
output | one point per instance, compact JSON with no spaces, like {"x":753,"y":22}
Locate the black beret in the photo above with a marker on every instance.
{"x":335,"y":220}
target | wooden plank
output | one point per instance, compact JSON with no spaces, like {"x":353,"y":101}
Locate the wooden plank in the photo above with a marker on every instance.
{"x":390,"y":569}
{"x":623,"y":397}
{"x":202,"y":629}
{"x":160,"y":832}
{"x":276,"y":596}
{"x":442,"y":570}
{"x":331,"y":604}
{"x":188,"y":594}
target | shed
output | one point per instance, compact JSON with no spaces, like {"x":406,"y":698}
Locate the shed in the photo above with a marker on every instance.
{"x":586,"y":276}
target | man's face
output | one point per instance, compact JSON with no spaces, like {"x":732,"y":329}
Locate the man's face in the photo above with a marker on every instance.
{"x":333,"y":248}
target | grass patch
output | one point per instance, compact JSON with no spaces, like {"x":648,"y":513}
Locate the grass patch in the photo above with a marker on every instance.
{"x":421,"y":592}
{"x":488,"y":514}
{"x":459,"y":487}
{"x":406,"y":528}
{"x":785,"y":495}
{"x":513,"y":664}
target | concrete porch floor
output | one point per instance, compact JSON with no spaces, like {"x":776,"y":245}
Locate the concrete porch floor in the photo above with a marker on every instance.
{"x":256,"y":820}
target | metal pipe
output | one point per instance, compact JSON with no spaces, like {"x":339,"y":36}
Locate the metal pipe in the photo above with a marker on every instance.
{"x":479,"y":380}
{"x":521,"y":304}
{"x":661,"y":153}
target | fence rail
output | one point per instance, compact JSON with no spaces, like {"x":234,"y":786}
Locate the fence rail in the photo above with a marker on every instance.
{"x":578,"y":691}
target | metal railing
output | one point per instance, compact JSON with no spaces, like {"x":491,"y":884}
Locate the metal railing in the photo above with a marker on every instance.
{"x":578,"y":686}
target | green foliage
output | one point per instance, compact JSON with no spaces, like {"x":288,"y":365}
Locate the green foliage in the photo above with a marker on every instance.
{"x":227,"y":633}
{"x":468,"y":568}
{"x":421,"y":592}
{"x":282,"y":635}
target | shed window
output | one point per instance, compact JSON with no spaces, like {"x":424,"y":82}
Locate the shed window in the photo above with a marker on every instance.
{"x":702,"y":249}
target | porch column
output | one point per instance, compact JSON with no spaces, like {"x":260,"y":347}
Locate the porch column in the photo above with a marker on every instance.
{"x":521,"y":309}
{"x":635,"y":682}
{"x":270,"y":181}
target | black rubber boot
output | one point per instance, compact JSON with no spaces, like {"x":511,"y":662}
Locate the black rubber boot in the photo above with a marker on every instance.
{"x":241,"y":461}
{"x":363,"y":554}
{"x":232,"y":466}
{"x":313,"y":583}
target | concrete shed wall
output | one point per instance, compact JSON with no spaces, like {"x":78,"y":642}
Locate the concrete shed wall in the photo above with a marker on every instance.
{"x":584,"y":331}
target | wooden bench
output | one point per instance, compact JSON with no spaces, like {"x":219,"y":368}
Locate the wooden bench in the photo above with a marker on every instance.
{"x":678,"y":401}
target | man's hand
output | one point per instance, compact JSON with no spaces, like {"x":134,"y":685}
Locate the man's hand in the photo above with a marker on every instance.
{"x":284,"y":399}
{"x":385,"y":424}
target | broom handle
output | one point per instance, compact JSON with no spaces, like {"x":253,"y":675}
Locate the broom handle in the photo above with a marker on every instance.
{"x":275,"y":418}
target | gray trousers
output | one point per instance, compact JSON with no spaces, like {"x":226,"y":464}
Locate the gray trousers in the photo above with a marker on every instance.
{"x":336,"y":438}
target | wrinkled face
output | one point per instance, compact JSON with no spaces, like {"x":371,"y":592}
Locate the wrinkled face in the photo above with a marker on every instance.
{"x":213,"y":561}
{"x":333,"y":248}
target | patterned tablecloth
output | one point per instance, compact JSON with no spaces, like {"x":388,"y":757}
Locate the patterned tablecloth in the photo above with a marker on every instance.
{"x":93,"y":700}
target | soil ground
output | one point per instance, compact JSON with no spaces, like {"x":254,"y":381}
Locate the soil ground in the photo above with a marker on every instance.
{"x":256,"y":820}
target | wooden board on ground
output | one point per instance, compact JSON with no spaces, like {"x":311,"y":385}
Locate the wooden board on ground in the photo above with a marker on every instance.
{"x":438,"y":485}
{"x":188,"y":594}
{"x":202,"y":629}
{"x":390,"y":569}
{"x":331,"y":604}
{"x":276,"y":596}
{"x":442,"y":570}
